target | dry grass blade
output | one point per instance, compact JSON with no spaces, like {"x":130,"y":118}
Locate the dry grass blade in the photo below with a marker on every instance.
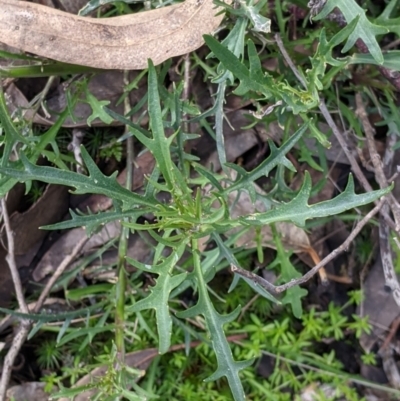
{"x":125,"y":42}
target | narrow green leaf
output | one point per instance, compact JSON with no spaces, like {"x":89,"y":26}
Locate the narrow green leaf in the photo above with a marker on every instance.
{"x":391,"y":59}
{"x":93,"y":221}
{"x":45,"y":318}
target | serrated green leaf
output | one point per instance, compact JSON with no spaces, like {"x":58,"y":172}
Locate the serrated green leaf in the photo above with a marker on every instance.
{"x":158,"y":300}
{"x":227,"y":366}
{"x":98,"y":110}
{"x":391,"y":59}
{"x":95,"y":183}
{"x":232,"y":63}
{"x":364,"y":30}
{"x":323,"y":55}
{"x":257,"y":80}
{"x":277,"y":157}
{"x":160,"y":293}
{"x":298,"y":210}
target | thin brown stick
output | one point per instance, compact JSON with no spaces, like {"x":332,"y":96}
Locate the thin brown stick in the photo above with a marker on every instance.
{"x":23,"y":329}
{"x":384,"y":231}
{"x":255,"y":278}
{"x":25,"y":325}
{"x":59,"y":271}
{"x":393,"y":330}
{"x":11,"y":260}
{"x":18,"y":340}
{"x":287,"y":58}
{"x":375,"y":158}
{"x":353,"y":163}
{"x":360,"y":225}
{"x":274,"y":290}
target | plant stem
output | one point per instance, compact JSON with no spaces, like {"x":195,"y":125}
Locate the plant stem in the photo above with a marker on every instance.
{"x":122,"y":250}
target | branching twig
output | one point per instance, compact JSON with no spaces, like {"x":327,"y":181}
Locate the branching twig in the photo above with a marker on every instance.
{"x":353,"y":163}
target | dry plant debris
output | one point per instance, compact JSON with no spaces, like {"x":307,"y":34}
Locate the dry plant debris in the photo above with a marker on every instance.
{"x":118,"y":43}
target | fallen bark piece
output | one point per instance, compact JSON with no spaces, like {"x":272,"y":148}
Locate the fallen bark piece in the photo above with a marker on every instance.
{"x":125,"y":42}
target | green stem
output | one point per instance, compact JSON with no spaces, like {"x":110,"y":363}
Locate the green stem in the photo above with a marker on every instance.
{"x":44,"y":70}
{"x":122,"y":251}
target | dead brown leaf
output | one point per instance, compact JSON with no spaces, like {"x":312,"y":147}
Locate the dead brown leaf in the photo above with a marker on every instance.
{"x":63,"y":247}
{"x":32,"y":391}
{"x":125,"y":42}
{"x":50,"y":208}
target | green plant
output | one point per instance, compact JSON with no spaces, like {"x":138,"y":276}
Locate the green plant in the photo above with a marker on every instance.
{"x":183,"y":222}
{"x":191,"y":216}
{"x":49,"y":356}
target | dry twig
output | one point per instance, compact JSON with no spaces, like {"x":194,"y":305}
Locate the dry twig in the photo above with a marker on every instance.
{"x":23,"y":329}
{"x":25,"y":325}
{"x":278,"y":289}
{"x":376,"y":160}
{"x":384,"y":232}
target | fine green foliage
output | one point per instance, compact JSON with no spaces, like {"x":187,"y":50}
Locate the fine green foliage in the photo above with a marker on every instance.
{"x":185,"y":212}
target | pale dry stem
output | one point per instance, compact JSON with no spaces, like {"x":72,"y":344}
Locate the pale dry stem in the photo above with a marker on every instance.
{"x":25,"y":325}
